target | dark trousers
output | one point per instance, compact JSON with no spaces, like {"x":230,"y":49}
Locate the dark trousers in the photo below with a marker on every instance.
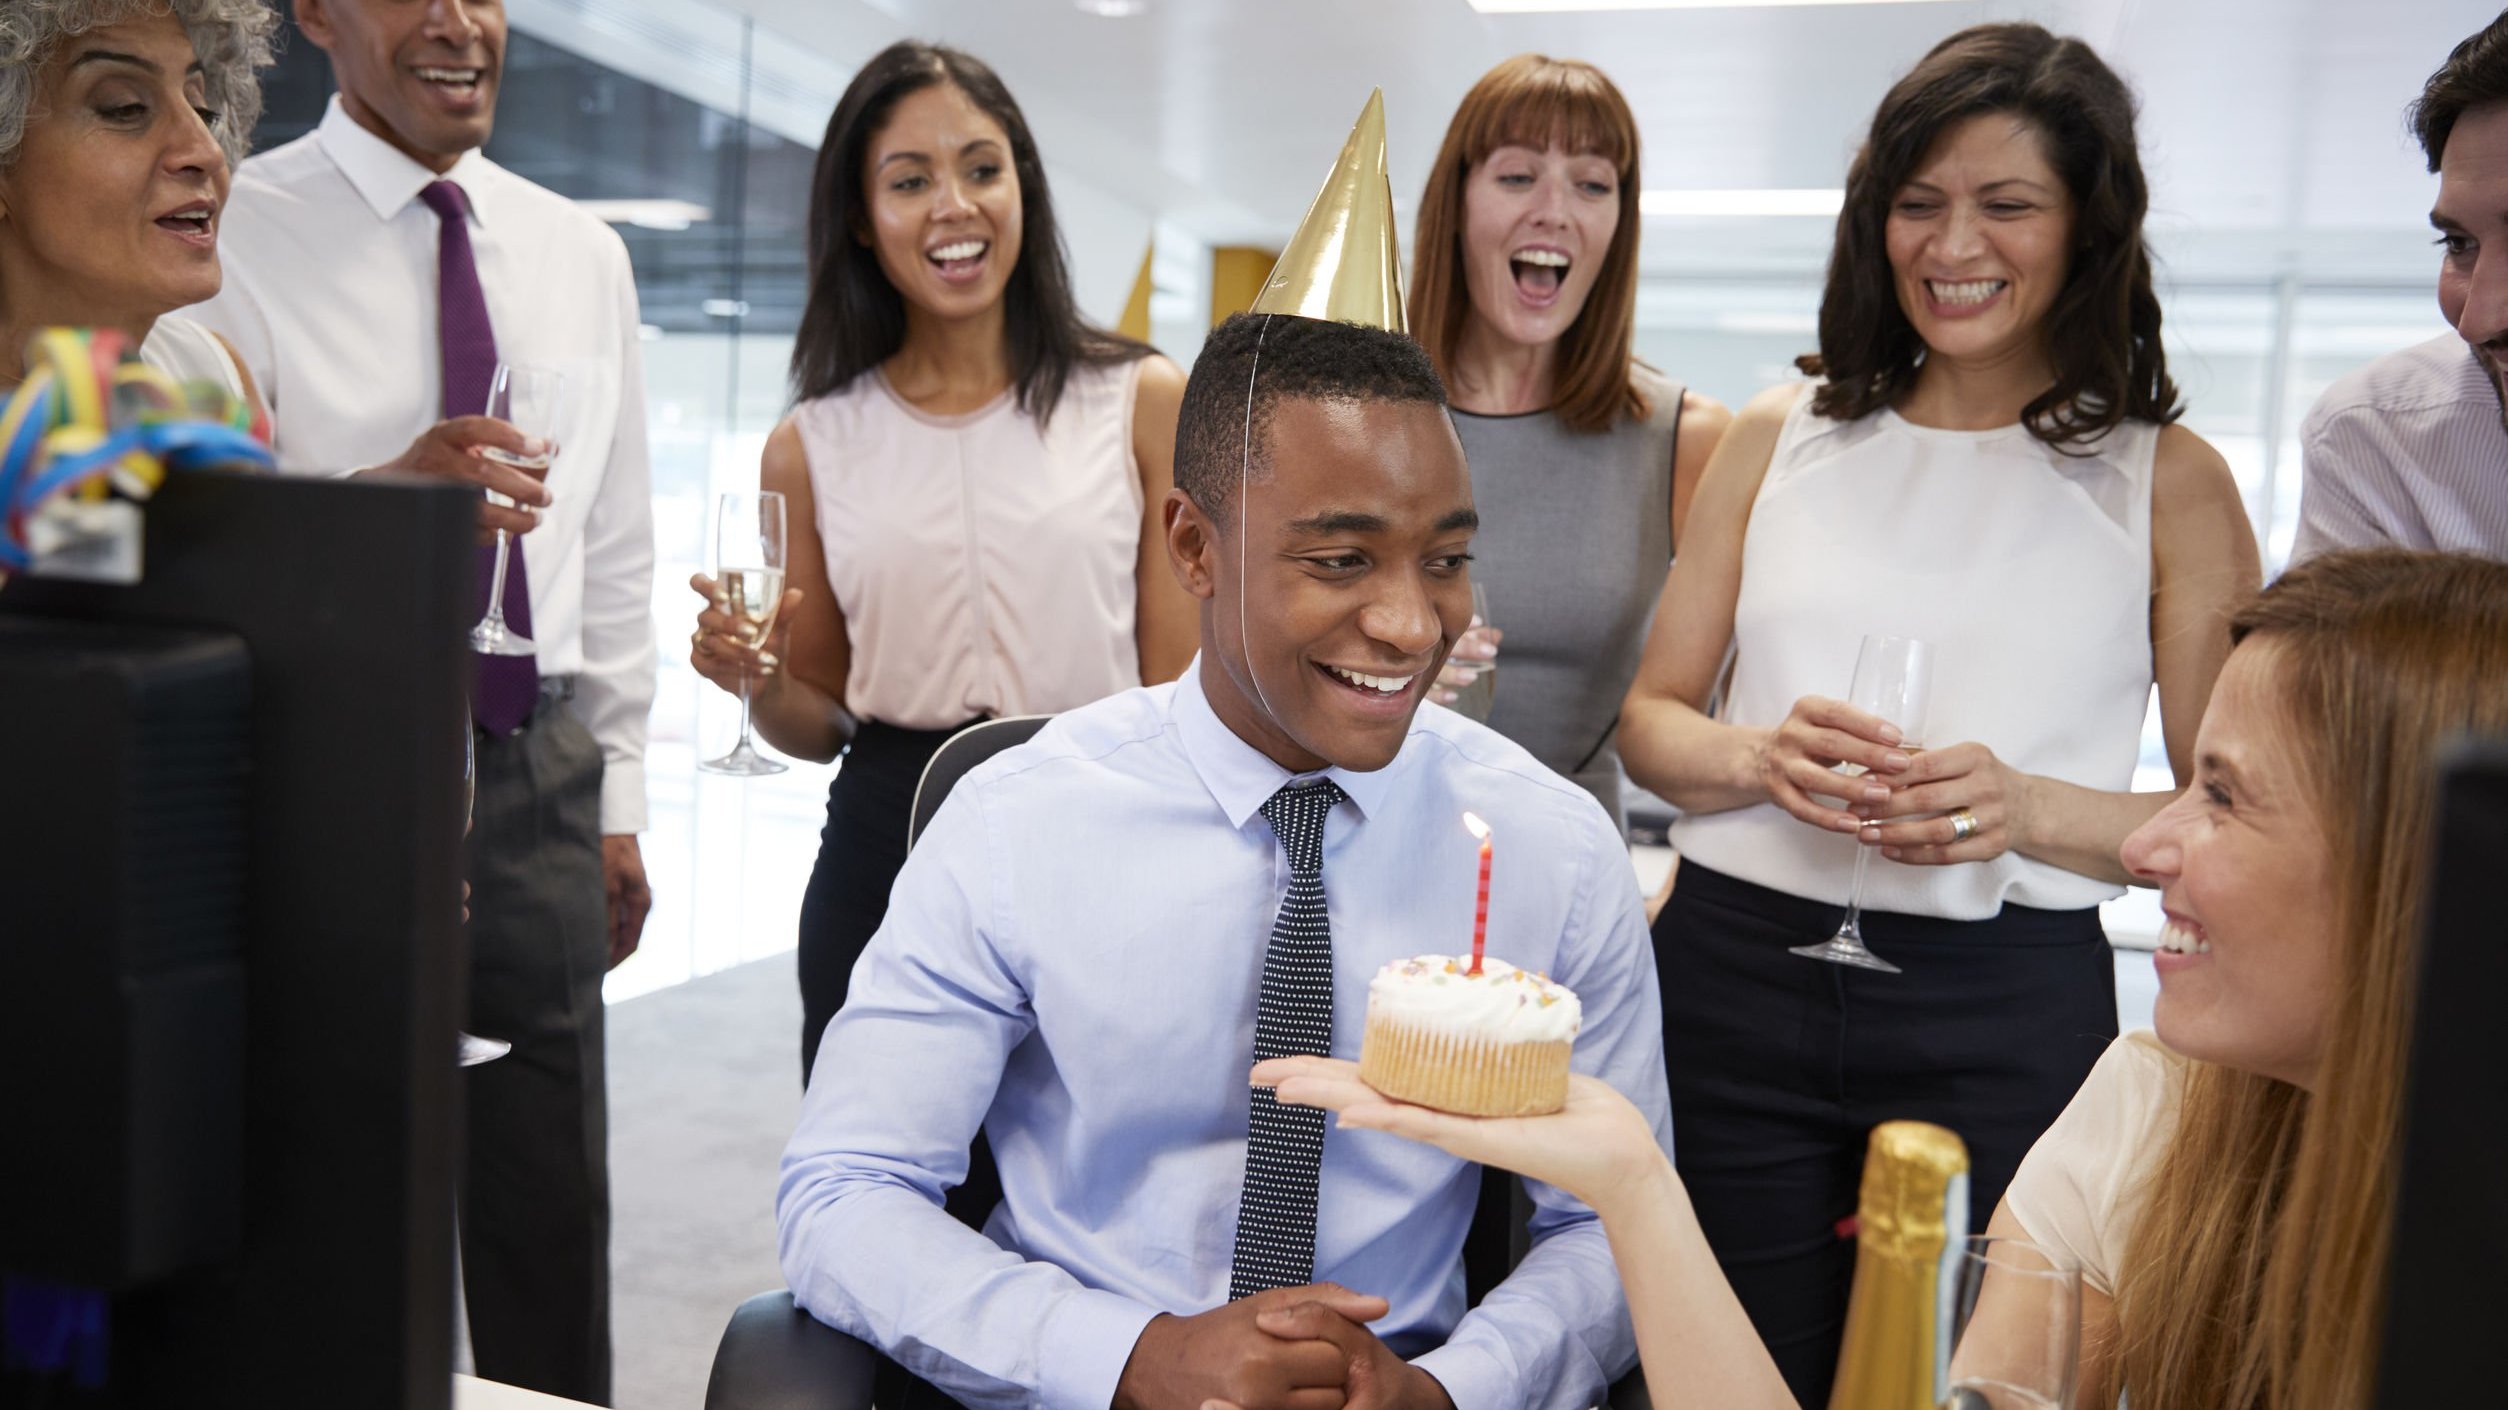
{"x":535,"y":1191}
{"x":861,"y":850}
{"x":1780,"y":1067}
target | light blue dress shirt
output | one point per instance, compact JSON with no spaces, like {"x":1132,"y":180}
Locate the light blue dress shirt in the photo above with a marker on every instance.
{"x":1071,"y":959}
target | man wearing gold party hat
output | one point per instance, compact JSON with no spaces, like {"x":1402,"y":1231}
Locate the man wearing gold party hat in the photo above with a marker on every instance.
{"x":1103,"y":927}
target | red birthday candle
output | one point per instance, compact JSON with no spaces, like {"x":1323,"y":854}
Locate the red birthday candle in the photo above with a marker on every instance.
{"x":1480,"y":913}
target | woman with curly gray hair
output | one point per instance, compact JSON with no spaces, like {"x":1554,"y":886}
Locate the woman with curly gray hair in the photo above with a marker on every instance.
{"x":118,"y":123}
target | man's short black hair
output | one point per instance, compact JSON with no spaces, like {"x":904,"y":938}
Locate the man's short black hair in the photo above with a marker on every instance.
{"x":2474,"y":75}
{"x":1300,"y":357}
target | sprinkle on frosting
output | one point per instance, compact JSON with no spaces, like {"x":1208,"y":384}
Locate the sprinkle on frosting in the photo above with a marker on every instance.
{"x":1440,"y":991}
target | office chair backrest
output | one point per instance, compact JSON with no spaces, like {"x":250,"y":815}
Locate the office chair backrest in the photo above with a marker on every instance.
{"x":958,"y":756}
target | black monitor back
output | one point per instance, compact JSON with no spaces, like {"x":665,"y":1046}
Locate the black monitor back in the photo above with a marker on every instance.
{"x":352,"y":601}
{"x":2446,"y":1298}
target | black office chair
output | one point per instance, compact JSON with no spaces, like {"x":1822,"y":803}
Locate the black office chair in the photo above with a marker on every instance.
{"x":957,"y":757}
{"x":774,"y":1356}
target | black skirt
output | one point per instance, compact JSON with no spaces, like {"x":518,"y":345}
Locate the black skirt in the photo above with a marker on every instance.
{"x":861,"y":850}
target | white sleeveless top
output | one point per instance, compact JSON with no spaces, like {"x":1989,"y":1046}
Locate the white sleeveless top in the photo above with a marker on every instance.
{"x":984,"y":564}
{"x":2030,"y":573}
{"x":187,"y":352}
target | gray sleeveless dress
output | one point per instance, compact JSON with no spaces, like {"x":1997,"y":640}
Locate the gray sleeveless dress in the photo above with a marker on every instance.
{"x":1575,"y":537}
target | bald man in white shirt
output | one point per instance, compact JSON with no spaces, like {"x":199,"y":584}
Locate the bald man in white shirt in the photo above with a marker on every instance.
{"x":376,"y":271}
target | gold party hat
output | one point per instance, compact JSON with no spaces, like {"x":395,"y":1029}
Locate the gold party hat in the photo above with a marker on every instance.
{"x":1343,"y":264}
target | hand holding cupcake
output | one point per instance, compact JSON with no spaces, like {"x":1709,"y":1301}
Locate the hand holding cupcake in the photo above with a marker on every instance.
{"x":1596,"y":1147}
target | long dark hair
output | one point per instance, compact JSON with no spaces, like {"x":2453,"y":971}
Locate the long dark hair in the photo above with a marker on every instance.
{"x":2103,"y":330}
{"x":855,"y":319}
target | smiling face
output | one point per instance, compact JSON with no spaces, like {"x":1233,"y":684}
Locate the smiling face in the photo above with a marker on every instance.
{"x":942,"y":195}
{"x":108,"y":213}
{"x":1355,"y":584}
{"x":1536,"y":225}
{"x":420,"y":74}
{"x":1978,"y":241}
{"x":2472,"y":220}
{"x":2247,"y":961}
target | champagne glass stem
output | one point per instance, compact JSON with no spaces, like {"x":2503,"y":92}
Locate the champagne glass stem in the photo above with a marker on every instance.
{"x":745,"y":745}
{"x":1854,"y":922}
{"x":496,"y":583}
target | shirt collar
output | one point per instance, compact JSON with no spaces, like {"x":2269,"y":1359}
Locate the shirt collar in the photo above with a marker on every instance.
{"x":1241,"y":777}
{"x":389,"y":178}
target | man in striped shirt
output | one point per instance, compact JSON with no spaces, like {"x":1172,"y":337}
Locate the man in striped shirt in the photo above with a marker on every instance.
{"x":2412,"y":450}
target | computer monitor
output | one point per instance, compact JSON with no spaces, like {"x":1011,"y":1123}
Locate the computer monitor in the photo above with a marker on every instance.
{"x":2447,"y":1277}
{"x":335,"y":1285}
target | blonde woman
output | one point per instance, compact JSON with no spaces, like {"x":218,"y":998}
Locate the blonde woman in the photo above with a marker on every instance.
{"x":2226,"y":1184}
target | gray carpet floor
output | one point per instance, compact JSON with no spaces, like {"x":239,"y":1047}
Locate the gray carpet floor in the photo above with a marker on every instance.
{"x":704,"y":1083}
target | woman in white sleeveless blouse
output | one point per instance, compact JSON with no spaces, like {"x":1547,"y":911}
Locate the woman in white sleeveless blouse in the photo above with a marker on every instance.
{"x":1990,"y":465}
{"x":1524,"y":292}
{"x":973,"y":479}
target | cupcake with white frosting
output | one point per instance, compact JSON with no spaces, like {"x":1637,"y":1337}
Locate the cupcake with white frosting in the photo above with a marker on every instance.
{"x":1494,"y":1043}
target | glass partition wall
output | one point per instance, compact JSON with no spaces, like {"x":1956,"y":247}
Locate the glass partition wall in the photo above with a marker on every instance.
{"x":693,"y":132}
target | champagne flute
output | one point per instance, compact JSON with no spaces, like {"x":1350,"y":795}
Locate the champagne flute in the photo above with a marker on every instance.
{"x":2015,"y":1334}
{"x":525,"y":397}
{"x":1475,"y":700}
{"x":748,"y":584}
{"x":1894,"y":680}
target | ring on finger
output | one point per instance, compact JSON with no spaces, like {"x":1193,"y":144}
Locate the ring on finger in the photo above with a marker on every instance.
{"x":1963,"y":824}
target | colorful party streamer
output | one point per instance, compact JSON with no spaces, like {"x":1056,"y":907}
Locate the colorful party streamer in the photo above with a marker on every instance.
{"x":91,"y":421}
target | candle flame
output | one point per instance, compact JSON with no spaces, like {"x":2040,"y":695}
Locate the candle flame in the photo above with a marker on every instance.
{"x":1479,"y":829}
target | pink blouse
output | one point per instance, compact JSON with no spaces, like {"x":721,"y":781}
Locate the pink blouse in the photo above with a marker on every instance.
{"x":984,"y":563}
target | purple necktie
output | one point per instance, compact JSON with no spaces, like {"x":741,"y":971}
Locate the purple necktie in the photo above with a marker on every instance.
{"x":506,"y":688}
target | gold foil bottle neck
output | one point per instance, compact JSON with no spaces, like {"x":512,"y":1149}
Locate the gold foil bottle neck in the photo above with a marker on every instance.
{"x":1344,"y":264}
{"x":1913,"y":1213}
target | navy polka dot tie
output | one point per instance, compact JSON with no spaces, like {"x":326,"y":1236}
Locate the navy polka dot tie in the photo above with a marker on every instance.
{"x":1284,"y":1145}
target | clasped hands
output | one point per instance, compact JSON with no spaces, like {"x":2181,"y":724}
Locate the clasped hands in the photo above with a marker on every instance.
{"x":1302,"y":1348}
{"x":1904,"y":800}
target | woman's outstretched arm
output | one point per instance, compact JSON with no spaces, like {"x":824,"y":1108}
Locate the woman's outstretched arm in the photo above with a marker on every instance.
{"x":1695,"y":1341}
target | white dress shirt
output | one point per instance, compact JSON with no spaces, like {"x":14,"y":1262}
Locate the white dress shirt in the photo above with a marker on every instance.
{"x":2406,"y":452}
{"x":330,"y":298}
{"x":1071,"y":960}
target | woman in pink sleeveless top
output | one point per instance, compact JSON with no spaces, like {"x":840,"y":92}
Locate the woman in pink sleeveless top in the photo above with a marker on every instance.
{"x":973,"y":480}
